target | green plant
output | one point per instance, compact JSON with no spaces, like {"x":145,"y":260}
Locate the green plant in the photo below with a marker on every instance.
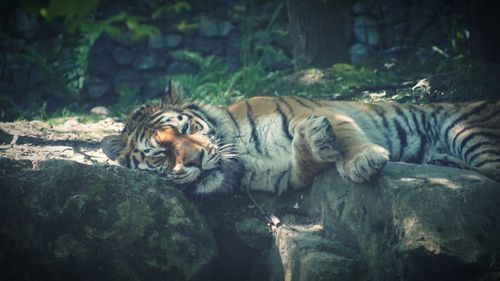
{"x":215,"y":83}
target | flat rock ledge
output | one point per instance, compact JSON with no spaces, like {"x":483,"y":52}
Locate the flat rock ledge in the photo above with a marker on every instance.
{"x":68,"y":214}
{"x":416,"y":222}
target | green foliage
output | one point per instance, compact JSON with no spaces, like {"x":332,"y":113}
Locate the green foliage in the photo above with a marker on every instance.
{"x":177,"y":7}
{"x":215,"y":83}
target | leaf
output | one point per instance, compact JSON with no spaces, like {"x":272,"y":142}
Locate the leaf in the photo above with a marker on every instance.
{"x":71,"y":25}
{"x":84,"y":7}
{"x":112,"y":31}
{"x":61,"y":7}
{"x":181,"y":6}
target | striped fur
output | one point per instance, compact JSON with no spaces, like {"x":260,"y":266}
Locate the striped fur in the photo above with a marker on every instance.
{"x":276,"y":143}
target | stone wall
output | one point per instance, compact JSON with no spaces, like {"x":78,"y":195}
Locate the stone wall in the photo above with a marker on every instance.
{"x":41,"y":64}
{"x":409,"y":28}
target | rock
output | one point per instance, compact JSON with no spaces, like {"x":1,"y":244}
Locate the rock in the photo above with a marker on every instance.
{"x":38,"y":75}
{"x":173,"y":40}
{"x":61,"y":220}
{"x":210,"y":27}
{"x":101,"y":65}
{"x":122,"y":55}
{"x":416,"y":222}
{"x":25,"y":22}
{"x":97,"y":88}
{"x":366,"y":30}
{"x":144,"y":60}
{"x":126,"y":74}
{"x":100,"y":110}
{"x":180,"y":68}
{"x":302,"y":254}
{"x":156,"y":42}
{"x":359,"y":52}
{"x":155,"y":87}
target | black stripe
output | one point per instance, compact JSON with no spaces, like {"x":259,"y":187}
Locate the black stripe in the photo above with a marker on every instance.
{"x":474,"y":147}
{"x":200,"y":113}
{"x":454,"y":141}
{"x":403,"y":141}
{"x":254,"y":136}
{"x":462,"y":118}
{"x":419,"y":156}
{"x":276,"y":186}
{"x":381,"y":113}
{"x":151,"y":167}
{"x":284,"y":122}
{"x":300,"y":102}
{"x":345,"y":123}
{"x":142,"y":135}
{"x":314,"y":102}
{"x":290,"y":110}
{"x":435,"y":116}
{"x":126,"y":162}
{"x":400,"y":113}
{"x":134,"y":161}
{"x":471,"y":136}
{"x":489,"y":151}
{"x":487,"y":161}
{"x":231,"y":116}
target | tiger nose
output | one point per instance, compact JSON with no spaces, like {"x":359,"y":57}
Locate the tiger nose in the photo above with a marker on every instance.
{"x":194,"y":160}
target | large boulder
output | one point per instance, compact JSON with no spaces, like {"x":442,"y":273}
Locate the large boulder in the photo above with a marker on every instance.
{"x":416,"y":222}
{"x":63,"y":220}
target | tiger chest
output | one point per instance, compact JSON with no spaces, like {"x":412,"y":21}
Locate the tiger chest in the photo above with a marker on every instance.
{"x":265,"y":154}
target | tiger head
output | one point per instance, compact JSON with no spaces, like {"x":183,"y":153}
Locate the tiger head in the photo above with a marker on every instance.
{"x":181,"y":141}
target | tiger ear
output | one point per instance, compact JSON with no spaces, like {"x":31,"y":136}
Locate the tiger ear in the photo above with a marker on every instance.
{"x":112,"y":146}
{"x":173,"y":94}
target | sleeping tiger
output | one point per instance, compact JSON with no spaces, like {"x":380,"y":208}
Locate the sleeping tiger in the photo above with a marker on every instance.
{"x":277,"y":143}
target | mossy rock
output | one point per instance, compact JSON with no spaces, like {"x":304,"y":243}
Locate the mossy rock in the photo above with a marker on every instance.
{"x":62,"y":220}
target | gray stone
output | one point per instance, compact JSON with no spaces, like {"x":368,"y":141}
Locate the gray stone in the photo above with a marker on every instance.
{"x":173,"y":40}
{"x":38,"y":75}
{"x":415,"y":222}
{"x":69,"y":221}
{"x":210,"y":27}
{"x":125,"y":74}
{"x":360,"y":7}
{"x":25,"y":22}
{"x":359,"y":52}
{"x":180,"y":67}
{"x":122,"y":55}
{"x":101,"y":65}
{"x":366,"y":30}
{"x":97,"y":88}
{"x":100,"y":110}
{"x":206,"y":46}
{"x":301,"y":253}
{"x":155,"y":86}
{"x":156,"y":42}
{"x":144,"y":60}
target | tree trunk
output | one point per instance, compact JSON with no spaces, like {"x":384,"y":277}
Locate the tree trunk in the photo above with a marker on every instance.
{"x":317,"y":29}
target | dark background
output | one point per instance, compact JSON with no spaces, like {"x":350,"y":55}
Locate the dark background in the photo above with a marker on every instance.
{"x":62,"y":58}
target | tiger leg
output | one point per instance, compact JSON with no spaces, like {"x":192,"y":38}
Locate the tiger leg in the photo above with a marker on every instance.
{"x":361,"y":159}
{"x":313,"y":148}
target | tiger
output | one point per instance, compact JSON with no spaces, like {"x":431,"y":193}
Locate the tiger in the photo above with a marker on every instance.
{"x":281,"y":143}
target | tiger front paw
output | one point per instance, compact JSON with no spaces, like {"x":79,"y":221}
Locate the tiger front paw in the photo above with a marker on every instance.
{"x":362,"y":166}
{"x":317,"y":133}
